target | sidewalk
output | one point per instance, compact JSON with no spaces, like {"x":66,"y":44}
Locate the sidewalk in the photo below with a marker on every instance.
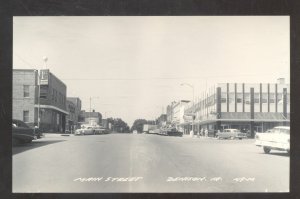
{"x":53,"y":135}
{"x":196,"y":137}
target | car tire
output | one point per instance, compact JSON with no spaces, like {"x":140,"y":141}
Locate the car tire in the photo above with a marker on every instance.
{"x":267,"y":150}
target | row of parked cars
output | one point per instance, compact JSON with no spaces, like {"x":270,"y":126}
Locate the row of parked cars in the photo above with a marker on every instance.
{"x":91,"y":130}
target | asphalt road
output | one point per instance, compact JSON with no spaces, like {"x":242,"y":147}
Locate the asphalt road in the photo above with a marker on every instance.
{"x":147,"y":163}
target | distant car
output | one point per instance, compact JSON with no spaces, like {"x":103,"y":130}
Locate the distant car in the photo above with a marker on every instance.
{"x":100,"y":130}
{"x":85,"y":130}
{"x":170,"y":131}
{"x":22,"y":133}
{"x":231,"y":134}
{"x":277,"y":138}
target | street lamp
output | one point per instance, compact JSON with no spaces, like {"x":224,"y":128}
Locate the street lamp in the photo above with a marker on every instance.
{"x":193,"y":108}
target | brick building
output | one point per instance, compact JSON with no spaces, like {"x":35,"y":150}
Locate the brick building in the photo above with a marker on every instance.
{"x":73,"y":108}
{"x":49,"y":106}
{"x":91,"y":118}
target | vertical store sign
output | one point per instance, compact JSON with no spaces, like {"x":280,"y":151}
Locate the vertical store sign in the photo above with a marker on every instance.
{"x":44,"y":77}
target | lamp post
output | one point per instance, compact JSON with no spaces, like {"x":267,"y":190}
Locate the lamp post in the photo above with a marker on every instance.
{"x":193,"y":108}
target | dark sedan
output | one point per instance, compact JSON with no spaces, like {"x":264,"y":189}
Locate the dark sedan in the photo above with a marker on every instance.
{"x":21,"y":132}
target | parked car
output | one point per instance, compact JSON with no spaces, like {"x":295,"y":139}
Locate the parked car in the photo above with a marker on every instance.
{"x":21,"y":132}
{"x":277,"y":138}
{"x":100,"y":130}
{"x":85,"y":130}
{"x":231,"y":134}
{"x":170,"y":131}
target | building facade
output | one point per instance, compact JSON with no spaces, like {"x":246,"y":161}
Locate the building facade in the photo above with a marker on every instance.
{"x":92,"y":118}
{"x":175,"y":114}
{"x":248,"y":107}
{"x":39,"y":100}
{"x":74,"y":109}
{"x":25,"y":92}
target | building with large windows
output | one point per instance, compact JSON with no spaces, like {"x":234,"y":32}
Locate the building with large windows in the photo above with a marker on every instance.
{"x":39,"y":99}
{"x":248,"y":107}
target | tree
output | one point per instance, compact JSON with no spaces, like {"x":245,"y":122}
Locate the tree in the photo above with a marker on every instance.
{"x":118,"y":125}
{"x":138,"y":125}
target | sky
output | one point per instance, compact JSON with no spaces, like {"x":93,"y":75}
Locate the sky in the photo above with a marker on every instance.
{"x":132,"y":67}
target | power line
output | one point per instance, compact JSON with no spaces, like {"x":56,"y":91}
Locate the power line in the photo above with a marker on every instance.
{"x":165,"y":78}
{"x":26,"y":62}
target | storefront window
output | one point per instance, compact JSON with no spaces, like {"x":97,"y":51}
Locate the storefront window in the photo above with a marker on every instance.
{"x":239,"y":97}
{"x":247,"y":98}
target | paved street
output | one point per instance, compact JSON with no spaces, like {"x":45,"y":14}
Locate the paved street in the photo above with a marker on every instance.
{"x":147,"y":163}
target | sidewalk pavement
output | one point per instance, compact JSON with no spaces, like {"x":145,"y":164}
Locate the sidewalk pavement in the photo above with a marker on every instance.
{"x":53,"y":135}
{"x":197,"y":137}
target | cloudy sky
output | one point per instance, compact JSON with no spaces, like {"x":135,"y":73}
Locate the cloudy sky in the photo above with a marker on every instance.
{"x":133,"y":67}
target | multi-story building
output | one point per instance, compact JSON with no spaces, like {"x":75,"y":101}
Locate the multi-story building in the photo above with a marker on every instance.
{"x":91,"y":118}
{"x":74,"y":108}
{"x":71,"y":117}
{"x":175,"y":113}
{"x":39,"y":100}
{"x":25,"y":92}
{"x":248,"y":107}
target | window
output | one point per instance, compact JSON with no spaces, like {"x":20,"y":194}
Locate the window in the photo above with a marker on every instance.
{"x":264,"y":98}
{"x":279,"y":98}
{"x":43,"y":91}
{"x":239,"y":98}
{"x":272,"y":98}
{"x":247,"y":98}
{"x":53,"y":94}
{"x":223,"y":97}
{"x":26,"y":90}
{"x":231,"y":97}
{"x":26,"y":116}
{"x":256,"y":97}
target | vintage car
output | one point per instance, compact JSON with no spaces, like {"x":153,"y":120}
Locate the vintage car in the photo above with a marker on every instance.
{"x":231,"y":134}
{"x":277,"y":138}
{"x":85,"y":130}
{"x":22,"y":133}
{"x":170,"y":131}
{"x":100,"y":130}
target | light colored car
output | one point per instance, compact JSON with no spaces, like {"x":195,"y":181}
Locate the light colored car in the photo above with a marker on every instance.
{"x":277,"y":138}
{"x":85,"y":130}
{"x":231,"y":134}
{"x":100,"y":130}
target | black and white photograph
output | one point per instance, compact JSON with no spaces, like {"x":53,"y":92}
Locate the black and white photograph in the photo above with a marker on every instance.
{"x":151,"y":104}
